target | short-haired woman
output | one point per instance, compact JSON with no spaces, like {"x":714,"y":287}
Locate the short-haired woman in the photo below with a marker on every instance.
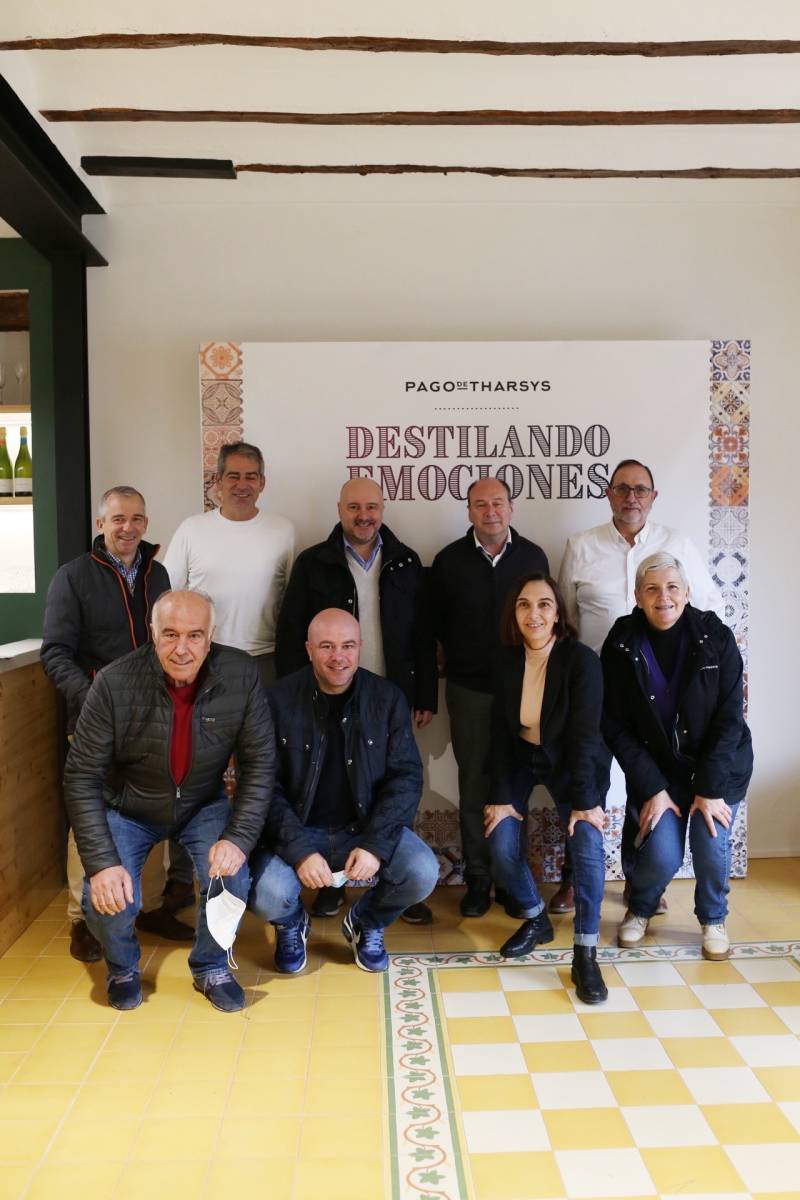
{"x":673,"y":719}
{"x":546,"y":729}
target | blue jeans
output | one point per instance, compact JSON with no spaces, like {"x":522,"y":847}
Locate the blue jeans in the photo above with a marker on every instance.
{"x":661,"y":855}
{"x":133,"y":840}
{"x":508,"y":846}
{"x":404,"y":879}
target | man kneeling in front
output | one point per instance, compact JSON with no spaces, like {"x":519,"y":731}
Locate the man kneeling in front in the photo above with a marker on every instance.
{"x":146,"y":763}
{"x":347,"y":786}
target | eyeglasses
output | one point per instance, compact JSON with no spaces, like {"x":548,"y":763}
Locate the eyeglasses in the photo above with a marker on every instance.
{"x":623,"y":490}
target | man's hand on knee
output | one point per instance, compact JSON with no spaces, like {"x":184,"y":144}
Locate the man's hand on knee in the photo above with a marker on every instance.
{"x":361,"y":864}
{"x":111,"y":890}
{"x":314,"y":872}
{"x":225,"y":858}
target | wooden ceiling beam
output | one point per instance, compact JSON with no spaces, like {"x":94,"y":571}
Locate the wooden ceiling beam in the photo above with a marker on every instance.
{"x":524,"y":172}
{"x":405,"y":45}
{"x":673,"y":116}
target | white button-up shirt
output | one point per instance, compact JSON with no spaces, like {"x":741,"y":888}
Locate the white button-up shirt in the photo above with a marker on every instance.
{"x":598,"y":573}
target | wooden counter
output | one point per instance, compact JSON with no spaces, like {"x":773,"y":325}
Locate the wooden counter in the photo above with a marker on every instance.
{"x":32,"y":828}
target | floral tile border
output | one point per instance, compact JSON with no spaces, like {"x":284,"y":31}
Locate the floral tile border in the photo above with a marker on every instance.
{"x":427,"y":1158}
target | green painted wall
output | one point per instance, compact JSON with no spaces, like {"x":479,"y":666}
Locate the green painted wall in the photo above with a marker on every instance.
{"x":23,"y":267}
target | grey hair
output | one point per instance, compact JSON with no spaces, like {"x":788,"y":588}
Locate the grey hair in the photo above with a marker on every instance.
{"x":659,"y":562}
{"x":181,"y":592}
{"x":121,"y":489}
{"x":246,"y":449}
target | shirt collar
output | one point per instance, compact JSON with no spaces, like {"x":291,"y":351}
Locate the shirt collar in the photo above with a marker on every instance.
{"x":364,"y":563}
{"x":128,"y":573}
{"x":494,"y":559}
{"x":639,"y":540}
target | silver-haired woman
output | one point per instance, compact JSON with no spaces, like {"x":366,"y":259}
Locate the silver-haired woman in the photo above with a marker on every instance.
{"x":672,"y":717}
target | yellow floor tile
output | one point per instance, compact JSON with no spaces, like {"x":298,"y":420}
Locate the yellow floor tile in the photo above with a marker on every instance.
{"x":9,"y":1064}
{"x":13,"y":1179}
{"x":174,"y":1139}
{"x":702,"y":1052}
{"x":332,"y":1136}
{"x":25,"y":1141}
{"x":253,"y":1137}
{"x":749,"y":1124}
{"x":343,"y":1061}
{"x":346,"y":1033}
{"x":36,"y":1100}
{"x":83,"y":1139}
{"x":672,"y":999}
{"x":134,"y":1068}
{"x":33,"y":988}
{"x":548,"y":1000}
{"x":560,"y":1056}
{"x":293,"y":1035}
{"x":29,"y":1012}
{"x":74,"y":1181}
{"x":600,"y":1025}
{"x":270,"y":1178}
{"x":274,"y":1064}
{"x":482,"y":1093}
{"x":708,"y":972}
{"x":255,"y":1100}
{"x":510,"y":1176}
{"x":77,"y":1011}
{"x":161,"y":1180}
{"x":349,"y":982}
{"x":213,"y":1063}
{"x":98,"y":1100}
{"x":752,"y":1022}
{"x":170,"y":1099}
{"x":777,"y":993}
{"x":337,"y":1179}
{"x":637,"y":1088}
{"x":283,"y":1008}
{"x":467,"y":1030}
{"x":465,"y":979}
{"x":782,"y":1083}
{"x":19,"y":1037}
{"x":695,"y":1169}
{"x":132,"y":1038}
{"x":367,"y":1095}
{"x":347,"y":1008}
{"x":587,"y":1129}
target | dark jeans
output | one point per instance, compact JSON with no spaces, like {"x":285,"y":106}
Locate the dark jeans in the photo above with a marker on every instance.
{"x":508,"y":845}
{"x":133,"y":840}
{"x":470,"y":721}
{"x":404,"y":879}
{"x":661,"y":855}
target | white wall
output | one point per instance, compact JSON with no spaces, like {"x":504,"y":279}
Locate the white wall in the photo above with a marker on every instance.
{"x":695,"y":266}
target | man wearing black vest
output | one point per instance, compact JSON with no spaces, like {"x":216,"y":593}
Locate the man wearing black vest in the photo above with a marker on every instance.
{"x":98,"y":608}
{"x":470,"y":579}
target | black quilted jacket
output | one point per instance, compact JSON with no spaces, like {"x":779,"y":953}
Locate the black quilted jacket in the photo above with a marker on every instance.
{"x":119,"y":756}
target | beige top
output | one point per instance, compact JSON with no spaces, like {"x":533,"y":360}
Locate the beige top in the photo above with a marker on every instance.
{"x":530,"y":705}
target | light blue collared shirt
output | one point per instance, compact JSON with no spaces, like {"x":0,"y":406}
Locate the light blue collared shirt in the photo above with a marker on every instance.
{"x":364,"y":563}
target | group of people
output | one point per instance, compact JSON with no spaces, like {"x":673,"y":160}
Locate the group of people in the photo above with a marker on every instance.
{"x":312,"y":673}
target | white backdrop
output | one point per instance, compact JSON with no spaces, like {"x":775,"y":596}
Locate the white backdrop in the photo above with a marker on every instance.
{"x":424,"y":419}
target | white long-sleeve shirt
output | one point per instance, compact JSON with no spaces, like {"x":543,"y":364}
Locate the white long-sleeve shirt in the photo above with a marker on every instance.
{"x":243,"y":565}
{"x":598,"y":573}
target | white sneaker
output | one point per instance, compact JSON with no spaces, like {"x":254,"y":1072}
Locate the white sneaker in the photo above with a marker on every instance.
{"x":716,"y":943}
{"x":632,"y":931}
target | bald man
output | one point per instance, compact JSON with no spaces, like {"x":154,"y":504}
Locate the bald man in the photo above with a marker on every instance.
{"x":347,"y":787}
{"x":365,"y":570}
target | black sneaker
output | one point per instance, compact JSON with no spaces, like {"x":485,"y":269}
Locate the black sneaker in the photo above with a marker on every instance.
{"x":328,"y":902}
{"x":417,"y":914}
{"x":124,"y":990}
{"x":221,"y":990}
{"x":536,"y":931}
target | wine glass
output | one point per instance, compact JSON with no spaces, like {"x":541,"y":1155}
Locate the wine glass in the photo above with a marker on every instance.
{"x":19,"y":371}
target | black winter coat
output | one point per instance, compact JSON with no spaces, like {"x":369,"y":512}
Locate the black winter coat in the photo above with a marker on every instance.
{"x":468,"y":595}
{"x":91,"y":619}
{"x":322,"y":579}
{"x":709,"y":742}
{"x":119,"y":757}
{"x":570,"y":727}
{"x":381,"y":755}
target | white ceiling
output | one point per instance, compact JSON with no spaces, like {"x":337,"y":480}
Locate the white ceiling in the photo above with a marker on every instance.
{"x":224,"y":77}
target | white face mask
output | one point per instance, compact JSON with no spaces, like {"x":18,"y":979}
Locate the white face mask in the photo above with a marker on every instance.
{"x":223,"y":914}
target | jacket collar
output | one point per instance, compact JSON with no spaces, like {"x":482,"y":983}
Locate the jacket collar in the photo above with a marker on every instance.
{"x":209,"y":672}
{"x":148,"y":551}
{"x":333,"y":547}
{"x":628,"y":631}
{"x":553,"y":681}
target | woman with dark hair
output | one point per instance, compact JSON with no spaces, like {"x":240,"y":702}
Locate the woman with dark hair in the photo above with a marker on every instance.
{"x":673,"y":718}
{"x":546,"y":729}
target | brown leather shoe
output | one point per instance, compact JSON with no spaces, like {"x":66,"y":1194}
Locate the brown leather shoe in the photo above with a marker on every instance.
{"x":83,"y":945}
{"x":177,"y":896}
{"x":163,"y":924}
{"x":564,"y":900}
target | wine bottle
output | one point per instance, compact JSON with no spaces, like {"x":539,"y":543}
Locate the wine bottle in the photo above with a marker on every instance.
{"x":6,"y":472}
{"x":23,"y":467}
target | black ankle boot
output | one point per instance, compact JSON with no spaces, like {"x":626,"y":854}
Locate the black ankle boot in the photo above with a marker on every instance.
{"x":589,"y":985}
{"x":536,"y":931}
{"x":477,"y":899}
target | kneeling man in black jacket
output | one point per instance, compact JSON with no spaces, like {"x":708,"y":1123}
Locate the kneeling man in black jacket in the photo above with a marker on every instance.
{"x":347,"y":787}
{"x":146,"y":763}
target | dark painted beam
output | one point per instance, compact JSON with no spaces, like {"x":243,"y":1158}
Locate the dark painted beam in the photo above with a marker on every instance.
{"x":525,"y":172}
{"x":158,"y":167}
{"x":671,"y":116}
{"x":405,"y":45}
